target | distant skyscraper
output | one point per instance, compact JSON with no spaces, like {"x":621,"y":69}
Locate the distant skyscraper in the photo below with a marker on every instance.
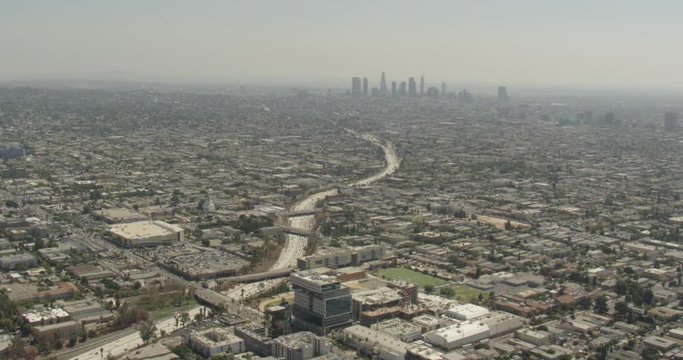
{"x":383,"y":85}
{"x":365,"y":86}
{"x":502,"y":93}
{"x":422,"y":85}
{"x":443,"y":89}
{"x":402,"y":89}
{"x":433,"y":93}
{"x":412,"y":87}
{"x":355,"y":86}
{"x":393,"y":89}
{"x":671,"y":122}
{"x":465,"y":95}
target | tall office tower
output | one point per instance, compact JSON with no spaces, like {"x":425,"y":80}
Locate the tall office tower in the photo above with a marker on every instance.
{"x":671,"y":122}
{"x":422,"y":85}
{"x":412,"y":87}
{"x":393,"y":89}
{"x":355,"y":86}
{"x":502,"y":93}
{"x":465,"y":95}
{"x":433,"y":93}
{"x":365,"y":86}
{"x":402,"y":89}
{"x":321,"y":302}
{"x":443,"y":89}
{"x":383,"y":85}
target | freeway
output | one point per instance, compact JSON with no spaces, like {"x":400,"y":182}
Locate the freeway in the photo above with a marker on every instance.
{"x":295,"y":245}
{"x":130,"y":341}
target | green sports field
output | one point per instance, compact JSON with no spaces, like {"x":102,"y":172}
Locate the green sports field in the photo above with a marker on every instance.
{"x":468,"y":294}
{"x":410,"y":276}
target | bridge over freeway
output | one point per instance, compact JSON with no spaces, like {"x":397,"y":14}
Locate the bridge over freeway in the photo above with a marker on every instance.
{"x":302,"y":212}
{"x":273,"y":274}
{"x":296,"y":231}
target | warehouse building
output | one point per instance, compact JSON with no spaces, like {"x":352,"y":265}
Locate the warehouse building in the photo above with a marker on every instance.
{"x":458,"y":335}
{"x":147,"y":233}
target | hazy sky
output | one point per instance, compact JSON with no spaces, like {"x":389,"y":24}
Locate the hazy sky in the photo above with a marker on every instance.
{"x":634,"y":43}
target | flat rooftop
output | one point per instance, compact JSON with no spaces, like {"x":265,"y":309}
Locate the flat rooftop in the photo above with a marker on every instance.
{"x":119,"y":215}
{"x":316,"y":277}
{"x":144,"y":229}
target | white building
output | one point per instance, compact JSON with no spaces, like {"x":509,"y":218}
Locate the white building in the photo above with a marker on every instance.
{"x":467,"y":311}
{"x":46,"y":316}
{"x":455,"y":336}
{"x":501,"y":323}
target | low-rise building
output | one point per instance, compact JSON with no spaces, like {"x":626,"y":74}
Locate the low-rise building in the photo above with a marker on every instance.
{"x":467,"y":311}
{"x":17,"y":261}
{"x":46,"y":316}
{"x":300,"y":346}
{"x":536,"y":337}
{"x":147,"y":233}
{"x":63,"y":291}
{"x":455,"y":336}
{"x":340,"y":257}
{"x":63,"y":330}
{"x":660,"y":343}
{"x":373,"y":342}
{"x":501,"y":323}
{"x":118,"y":215}
{"x":399,"y":329}
{"x":214,"y":341}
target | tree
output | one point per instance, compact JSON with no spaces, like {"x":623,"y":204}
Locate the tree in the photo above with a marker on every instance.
{"x":622,"y":310}
{"x":648,"y":297}
{"x":447,"y":292}
{"x":184,"y":318}
{"x":16,"y":349}
{"x":73,"y":339}
{"x":30,"y":353}
{"x":38,"y":244}
{"x":429,"y":288}
{"x":147,"y":331}
{"x":600,"y":306}
{"x":650,"y":353}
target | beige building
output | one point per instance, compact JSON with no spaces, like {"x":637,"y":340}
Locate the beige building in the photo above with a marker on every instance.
{"x":63,"y":330}
{"x":147,"y":233}
{"x":334,"y":258}
{"x":214,"y":341}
